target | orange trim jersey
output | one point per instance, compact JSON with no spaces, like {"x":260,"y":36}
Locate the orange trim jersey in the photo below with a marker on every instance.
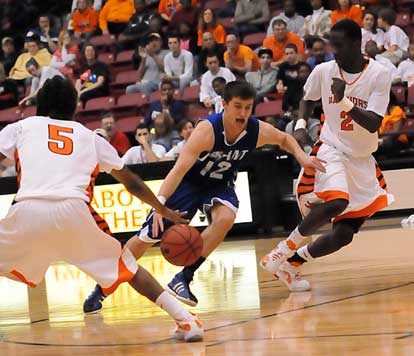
{"x":56,"y":158}
{"x":367,"y":90}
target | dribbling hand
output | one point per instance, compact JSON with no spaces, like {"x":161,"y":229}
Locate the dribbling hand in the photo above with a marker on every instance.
{"x":338,"y":89}
{"x":174,"y":216}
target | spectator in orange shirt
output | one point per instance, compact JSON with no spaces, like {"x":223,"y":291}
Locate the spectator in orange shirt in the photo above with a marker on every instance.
{"x":208,"y":23}
{"x":85,"y":20}
{"x":346,"y":10}
{"x":240,"y":59}
{"x":167,"y":8}
{"x":280,"y":39}
{"x":115,"y":15}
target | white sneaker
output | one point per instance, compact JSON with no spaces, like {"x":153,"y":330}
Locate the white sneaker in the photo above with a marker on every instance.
{"x":408,"y":222}
{"x":190,"y":330}
{"x":272,"y":261}
{"x":290,"y":276}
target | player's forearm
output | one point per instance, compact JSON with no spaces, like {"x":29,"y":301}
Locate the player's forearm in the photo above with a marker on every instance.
{"x":367,"y":119}
{"x":305,"y":109}
{"x":170,"y":183}
{"x":141,"y":191}
{"x":289,"y":144}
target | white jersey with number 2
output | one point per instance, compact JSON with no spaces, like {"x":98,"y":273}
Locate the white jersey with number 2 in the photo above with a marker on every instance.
{"x":368,"y":90}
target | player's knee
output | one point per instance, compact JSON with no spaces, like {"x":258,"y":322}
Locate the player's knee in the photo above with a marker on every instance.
{"x":224,"y":220}
{"x":343,"y":235}
{"x":336,"y":207}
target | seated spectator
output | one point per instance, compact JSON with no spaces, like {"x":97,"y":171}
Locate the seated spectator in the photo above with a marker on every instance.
{"x":263,"y":80}
{"x":370,"y":32}
{"x":84,"y":20}
{"x":219,"y":84}
{"x":280,"y":39}
{"x":346,"y":10}
{"x":42,"y":56}
{"x":294,"y":21}
{"x":163,"y":133}
{"x":151,"y":66}
{"x":173,"y":109}
{"x":207,"y":93}
{"x":65,"y":57}
{"x":239,"y":58}
{"x":319,"y":23}
{"x":94,"y":78}
{"x":208,"y":23}
{"x":188,"y":37}
{"x":187,"y":14}
{"x":178,"y":63}
{"x":115,"y":15}
{"x":209,"y":45}
{"x":116,"y":138}
{"x":48,"y":38}
{"x":8,"y":54}
{"x":8,"y":90}
{"x":395,"y":40}
{"x":319,"y":54}
{"x":40,"y":75}
{"x":287,"y":79}
{"x":97,"y":5}
{"x":251,"y":16}
{"x":185,"y":129}
{"x":167,"y":8}
{"x":406,"y":68}
{"x":146,"y":151}
{"x":372,"y":51}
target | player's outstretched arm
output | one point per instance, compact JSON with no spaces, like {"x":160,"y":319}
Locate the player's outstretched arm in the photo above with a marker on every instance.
{"x":137,"y":187}
{"x":2,"y":157}
{"x":268,"y":135}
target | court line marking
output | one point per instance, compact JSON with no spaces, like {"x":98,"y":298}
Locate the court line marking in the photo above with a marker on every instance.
{"x":165,"y":341}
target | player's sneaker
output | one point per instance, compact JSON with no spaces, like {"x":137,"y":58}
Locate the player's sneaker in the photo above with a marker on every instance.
{"x":290,"y":276}
{"x":189,"y":331}
{"x":180,"y":289}
{"x":93,"y":303}
{"x":272,"y":261}
{"x":408,"y":222}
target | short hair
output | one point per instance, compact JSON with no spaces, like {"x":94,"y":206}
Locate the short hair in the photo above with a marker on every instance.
{"x":32,"y":62}
{"x":265,"y":51}
{"x":239,"y":89}
{"x":210,"y":54}
{"x":107,"y":113}
{"x":318,"y":39}
{"x":349,"y":28}
{"x":220,"y":80}
{"x":305,"y":64}
{"x":168,"y":82}
{"x":181,"y":124}
{"x":279,"y":21}
{"x":388,"y":15}
{"x":174,"y":35}
{"x":57,"y":98}
{"x":141,"y":126}
{"x":235,"y":34}
{"x":292,"y":46}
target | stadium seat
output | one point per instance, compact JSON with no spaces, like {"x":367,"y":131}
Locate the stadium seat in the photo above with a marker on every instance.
{"x":125,"y":78}
{"x":156,"y":95}
{"x":228,"y":23}
{"x":92,"y":125}
{"x":271,"y":108}
{"x":99,"y":104}
{"x":198,"y":112}
{"x":410,"y":96}
{"x":131,"y":104}
{"x":10,"y":114}
{"x":28,"y":111}
{"x":124,"y":57}
{"x":102,"y":41}
{"x":402,"y":20}
{"x":399,"y":92}
{"x":106,"y":57}
{"x":128,"y":124}
{"x":191,"y":94}
{"x":254,"y":39}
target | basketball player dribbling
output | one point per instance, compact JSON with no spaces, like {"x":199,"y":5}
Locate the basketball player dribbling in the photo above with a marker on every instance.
{"x":57,"y":161}
{"x":203,"y":178}
{"x":355,"y":94}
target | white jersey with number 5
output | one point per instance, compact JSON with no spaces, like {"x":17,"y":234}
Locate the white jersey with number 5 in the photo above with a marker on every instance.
{"x":368,"y":90}
{"x":56,"y":159}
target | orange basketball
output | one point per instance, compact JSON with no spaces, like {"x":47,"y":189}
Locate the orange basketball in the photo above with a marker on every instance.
{"x":181,"y":245}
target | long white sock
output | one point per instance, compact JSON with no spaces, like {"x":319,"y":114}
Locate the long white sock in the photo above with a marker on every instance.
{"x":294,"y":239}
{"x":167,"y":302}
{"x":304,"y":253}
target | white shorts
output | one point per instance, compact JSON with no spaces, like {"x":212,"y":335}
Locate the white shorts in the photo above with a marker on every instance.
{"x":37,"y":232}
{"x":358,"y":180}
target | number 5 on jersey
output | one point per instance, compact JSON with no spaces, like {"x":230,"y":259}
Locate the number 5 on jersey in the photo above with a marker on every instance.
{"x":59,"y":143}
{"x":346,"y":124}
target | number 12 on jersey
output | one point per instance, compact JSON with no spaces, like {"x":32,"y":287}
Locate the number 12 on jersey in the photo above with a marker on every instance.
{"x":346,"y":124}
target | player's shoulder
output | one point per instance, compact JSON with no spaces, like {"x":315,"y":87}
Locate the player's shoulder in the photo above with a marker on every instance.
{"x":326,"y":66}
{"x":376,"y":68}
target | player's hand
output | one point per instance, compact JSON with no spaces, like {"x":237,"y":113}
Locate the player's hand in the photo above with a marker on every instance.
{"x":175,"y":216}
{"x":338,"y":89}
{"x":312,"y":162}
{"x":302,"y":136}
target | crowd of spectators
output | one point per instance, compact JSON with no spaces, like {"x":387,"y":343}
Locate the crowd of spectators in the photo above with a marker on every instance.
{"x":175,"y":45}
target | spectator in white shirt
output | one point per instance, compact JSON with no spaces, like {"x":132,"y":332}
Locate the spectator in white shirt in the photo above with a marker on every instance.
{"x":395,"y":40}
{"x":146,"y":151}
{"x":185,"y":129}
{"x":294,"y":21}
{"x":178,"y":63}
{"x":369,"y":31}
{"x":371,"y":49}
{"x":40,"y":75}
{"x":207,"y":93}
{"x":319,"y":23}
{"x":406,"y":68}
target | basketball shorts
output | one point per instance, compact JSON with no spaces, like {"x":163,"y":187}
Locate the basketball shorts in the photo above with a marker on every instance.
{"x":191,"y":197}
{"x":358,"y":180}
{"x":37,"y":232}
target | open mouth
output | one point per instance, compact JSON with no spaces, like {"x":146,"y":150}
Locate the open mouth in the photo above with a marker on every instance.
{"x":240,"y":121}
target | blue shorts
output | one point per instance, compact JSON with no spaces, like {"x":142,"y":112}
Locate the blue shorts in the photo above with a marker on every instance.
{"x":190,"y":197}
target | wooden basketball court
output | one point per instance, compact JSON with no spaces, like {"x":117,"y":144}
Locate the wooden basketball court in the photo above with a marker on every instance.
{"x":361,"y":303}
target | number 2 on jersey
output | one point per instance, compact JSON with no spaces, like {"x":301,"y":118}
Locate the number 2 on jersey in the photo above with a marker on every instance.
{"x":346,"y":124}
{"x":58,"y":143}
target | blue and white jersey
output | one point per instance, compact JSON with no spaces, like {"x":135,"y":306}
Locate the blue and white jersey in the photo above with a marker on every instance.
{"x":221,"y":164}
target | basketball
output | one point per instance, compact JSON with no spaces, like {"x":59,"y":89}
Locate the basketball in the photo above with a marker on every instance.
{"x":181,"y":245}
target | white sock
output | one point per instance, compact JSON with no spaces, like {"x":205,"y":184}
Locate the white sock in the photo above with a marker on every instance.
{"x":294,"y":239}
{"x":304,"y":253}
{"x":167,"y":302}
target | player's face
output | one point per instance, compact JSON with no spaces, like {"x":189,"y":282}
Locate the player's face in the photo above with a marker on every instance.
{"x":343,"y":49}
{"x":368,"y":22}
{"x":238,"y":110}
{"x":187,"y":131}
